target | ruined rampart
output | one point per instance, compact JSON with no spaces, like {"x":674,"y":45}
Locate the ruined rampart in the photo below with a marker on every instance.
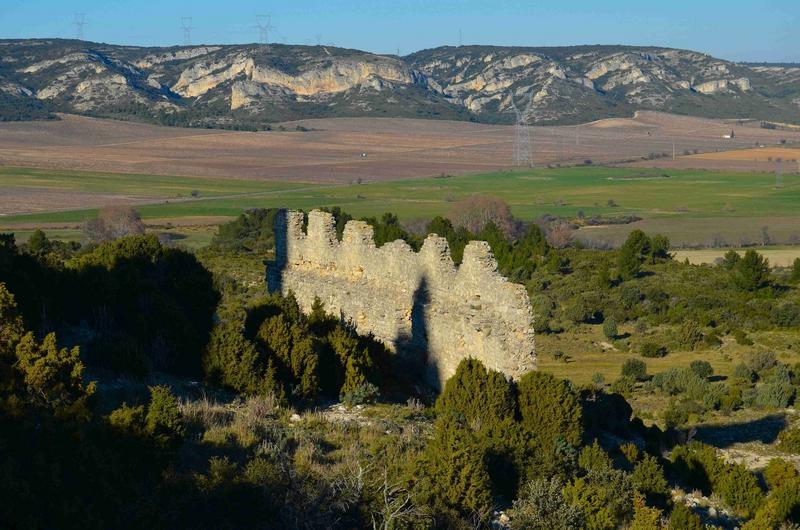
{"x":418,"y":303}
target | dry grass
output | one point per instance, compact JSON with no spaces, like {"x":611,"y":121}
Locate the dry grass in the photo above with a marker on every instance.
{"x":783,"y":257}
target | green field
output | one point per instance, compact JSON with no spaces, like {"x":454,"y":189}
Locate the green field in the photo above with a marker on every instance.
{"x":688,"y":206}
{"x":132,"y":184}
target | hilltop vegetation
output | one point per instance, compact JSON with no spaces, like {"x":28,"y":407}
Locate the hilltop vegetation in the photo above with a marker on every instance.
{"x":249,"y":87}
{"x":142,"y":385}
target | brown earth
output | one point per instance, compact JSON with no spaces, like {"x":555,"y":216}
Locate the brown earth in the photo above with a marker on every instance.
{"x":29,"y":200}
{"x":762,"y":159}
{"x":345,"y":149}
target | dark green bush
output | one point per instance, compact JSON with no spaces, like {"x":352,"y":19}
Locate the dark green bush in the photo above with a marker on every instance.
{"x":682,"y":518}
{"x":652,"y":349}
{"x":790,"y":440}
{"x":610,"y":328}
{"x":701,"y":368}
{"x":624,"y":386}
{"x":635,"y":369}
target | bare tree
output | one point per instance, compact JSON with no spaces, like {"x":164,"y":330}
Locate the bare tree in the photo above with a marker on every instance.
{"x":113,"y":222}
{"x":559,"y":234}
{"x":395,"y":505}
{"x":475,"y":212}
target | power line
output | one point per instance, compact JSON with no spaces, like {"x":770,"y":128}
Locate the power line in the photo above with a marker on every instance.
{"x":523,"y":152}
{"x":79,"y":21}
{"x":264,"y":25}
{"x":186,"y":26}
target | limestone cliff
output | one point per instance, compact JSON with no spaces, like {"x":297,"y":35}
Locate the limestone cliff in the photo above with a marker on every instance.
{"x":248,"y":84}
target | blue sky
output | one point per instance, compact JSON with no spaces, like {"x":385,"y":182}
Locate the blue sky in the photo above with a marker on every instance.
{"x":735,"y":29}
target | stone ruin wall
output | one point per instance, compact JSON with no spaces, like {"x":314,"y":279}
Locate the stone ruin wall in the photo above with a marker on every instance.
{"x":418,"y":304}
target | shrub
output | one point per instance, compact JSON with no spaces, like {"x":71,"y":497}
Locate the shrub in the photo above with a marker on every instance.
{"x":634,"y":369}
{"x":593,"y":458}
{"x":541,"y":506}
{"x":759,"y":362}
{"x":482,"y":397}
{"x":682,"y":518}
{"x":690,"y":334}
{"x":739,"y":488}
{"x":786,"y":315}
{"x":789,"y":440}
{"x":779,"y":472}
{"x":644,"y":518}
{"x":452,"y":471}
{"x":741,"y":338}
{"x":774,"y":394}
{"x":605,"y":498}
{"x":712,"y":339}
{"x":698,"y":466}
{"x":795,"y":277}
{"x":549,"y":409}
{"x":681,"y":381}
{"x":610,"y":328}
{"x":631,"y":453}
{"x":648,"y":479}
{"x":730,"y":259}
{"x":361,"y":395}
{"x":652,"y":349}
{"x":701,"y":368}
{"x":164,"y":420}
{"x":624,"y":386}
{"x":598,"y":380}
{"x":675,"y":415}
{"x":743,"y":373}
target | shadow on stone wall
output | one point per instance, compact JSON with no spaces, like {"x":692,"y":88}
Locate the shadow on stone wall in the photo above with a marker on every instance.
{"x":276,"y":267}
{"x":413,"y":348}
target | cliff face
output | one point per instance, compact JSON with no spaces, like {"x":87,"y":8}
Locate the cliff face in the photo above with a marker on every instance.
{"x":226,"y":85}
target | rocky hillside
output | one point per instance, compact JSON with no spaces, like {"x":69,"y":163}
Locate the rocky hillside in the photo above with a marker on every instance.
{"x":250,"y":86}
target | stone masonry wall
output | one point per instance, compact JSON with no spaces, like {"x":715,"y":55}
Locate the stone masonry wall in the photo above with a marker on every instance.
{"x":418,"y":304}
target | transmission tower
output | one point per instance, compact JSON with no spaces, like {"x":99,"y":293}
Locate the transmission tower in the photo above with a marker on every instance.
{"x":186,"y":26}
{"x":79,"y":22}
{"x":263,"y":24}
{"x":523,"y":152}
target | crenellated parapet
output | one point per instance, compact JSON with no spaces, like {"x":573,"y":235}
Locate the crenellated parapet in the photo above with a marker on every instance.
{"x":418,"y":303}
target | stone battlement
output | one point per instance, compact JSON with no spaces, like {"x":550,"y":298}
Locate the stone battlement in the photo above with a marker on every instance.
{"x":418,"y":303}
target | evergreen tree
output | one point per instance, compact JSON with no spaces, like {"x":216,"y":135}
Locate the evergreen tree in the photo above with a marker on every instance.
{"x":53,"y":376}
{"x":452,"y":471}
{"x":610,"y":328}
{"x":164,"y":420}
{"x":751,"y":272}
{"x":549,"y":410}
{"x":796,"y":270}
{"x":659,"y":247}
{"x":484,"y":398}
{"x":629,"y":263}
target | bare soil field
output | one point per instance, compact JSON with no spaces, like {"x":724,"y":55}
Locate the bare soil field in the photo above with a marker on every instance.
{"x":755,"y":159}
{"x":346,"y":149}
{"x":31,"y":200}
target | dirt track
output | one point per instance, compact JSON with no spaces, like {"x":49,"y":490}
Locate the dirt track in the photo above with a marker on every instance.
{"x":334,"y":151}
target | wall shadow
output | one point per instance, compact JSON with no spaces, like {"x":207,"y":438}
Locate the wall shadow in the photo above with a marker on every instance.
{"x":275,"y":267}
{"x":763,"y":430}
{"x":413,"y":348}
